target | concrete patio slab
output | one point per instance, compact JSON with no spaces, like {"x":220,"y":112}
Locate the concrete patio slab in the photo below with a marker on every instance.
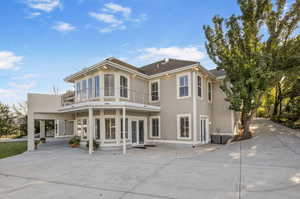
{"x":266,"y":166}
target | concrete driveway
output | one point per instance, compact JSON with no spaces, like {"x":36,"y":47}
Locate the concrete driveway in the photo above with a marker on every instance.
{"x":269,"y":168}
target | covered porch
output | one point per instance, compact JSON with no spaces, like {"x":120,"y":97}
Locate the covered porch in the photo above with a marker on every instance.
{"x":104,"y":122}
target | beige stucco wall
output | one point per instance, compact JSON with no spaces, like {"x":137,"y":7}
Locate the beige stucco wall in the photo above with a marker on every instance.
{"x":223,"y":118}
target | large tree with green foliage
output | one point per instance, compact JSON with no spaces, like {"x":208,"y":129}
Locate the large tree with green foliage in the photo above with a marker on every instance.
{"x":253,"y":48}
{"x":6,"y":120}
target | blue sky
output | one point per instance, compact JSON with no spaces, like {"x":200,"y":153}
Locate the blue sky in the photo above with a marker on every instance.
{"x":43,"y":41}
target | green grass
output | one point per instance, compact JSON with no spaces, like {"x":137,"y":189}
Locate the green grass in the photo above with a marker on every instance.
{"x":12,"y":148}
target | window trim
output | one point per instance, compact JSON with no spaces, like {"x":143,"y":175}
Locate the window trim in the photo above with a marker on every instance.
{"x":128,"y":86}
{"x":200,"y":97}
{"x":190,"y":126}
{"x":178,"y":76}
{"x":209,"y":82}
{"x":159,"y":127}
{"x":150,"y":91}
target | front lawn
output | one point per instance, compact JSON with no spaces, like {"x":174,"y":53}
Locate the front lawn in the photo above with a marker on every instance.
{"x":12,"y":148}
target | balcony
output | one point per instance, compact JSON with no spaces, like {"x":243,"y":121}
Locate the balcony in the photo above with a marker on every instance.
{"x":104,"y":94}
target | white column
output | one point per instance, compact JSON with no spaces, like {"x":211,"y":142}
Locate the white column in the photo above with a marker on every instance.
{"x":118,"y":126}
{"x":42,"y":129}
{"x":124,"y":130}
{"x":30,"y":131}
{"x":91,"y":130}
{"x":194,"y":84}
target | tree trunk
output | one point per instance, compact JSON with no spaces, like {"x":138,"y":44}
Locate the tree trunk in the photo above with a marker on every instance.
{"x":245,"y":123}
{"x":276,"y":101}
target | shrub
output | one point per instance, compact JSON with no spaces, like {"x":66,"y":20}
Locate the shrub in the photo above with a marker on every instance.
{"x":74,"y":140}
{"x":43,"y":140}
{"x":95,"y":144}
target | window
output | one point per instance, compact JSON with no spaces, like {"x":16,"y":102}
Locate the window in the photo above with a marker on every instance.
{"x":199,"y":86}
{"x":97,"y":129}
{"x":78,"y":90}
{"x":90,"y":88}
{"x":183,"y":126}
{"x":183,"y":85}
{"x":110,"y":128}
{"x":209,"y":92}
{"x":84,"y":89}
{"x":123,"y":86}
{"x":154,"y":91}
{"x":155,"y":127}
{"x":97,"y":86}
{"x":109,"y":85}
{"x":84,"y":129}
{"x":126,"y":128}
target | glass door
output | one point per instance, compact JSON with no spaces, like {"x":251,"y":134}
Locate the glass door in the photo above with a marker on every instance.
{"x":134,"y":131}
{"x":141,"y":131}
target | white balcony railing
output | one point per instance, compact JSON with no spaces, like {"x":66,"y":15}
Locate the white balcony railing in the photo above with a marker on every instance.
{"x":105,"y":94}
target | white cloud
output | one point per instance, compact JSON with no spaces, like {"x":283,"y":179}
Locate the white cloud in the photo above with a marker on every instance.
{"x":26,"y":76}
{"x":106,"y":18}
{"x":63,"y":27}
{"x":114,"y":8}
{"x":26,"y":86}
{"x":33,"y":15}
{"x":44,"y":5}
{"x":186,"y":53}
{"x":115,"y":17}
{"x":8,"y":60}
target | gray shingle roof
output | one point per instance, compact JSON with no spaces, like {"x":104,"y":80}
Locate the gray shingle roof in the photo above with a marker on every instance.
{"x":164,"y":66}
{"x":218,"y":73}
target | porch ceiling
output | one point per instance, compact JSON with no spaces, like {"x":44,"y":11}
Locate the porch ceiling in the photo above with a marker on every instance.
{"x":109,"y":105}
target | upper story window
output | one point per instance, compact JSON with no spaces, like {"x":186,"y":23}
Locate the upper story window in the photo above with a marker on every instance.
{"x":97,"y":86}
{"x":184,"y":126}
{"x":78,"y":90}
{"x":84,"y":89}
{"x":183,"y":85}
{"x":123,"y":86}
{"x":154,"y":91}
{"x":199,"y":86}
{"x":209,"y":91}
{"x":90,"y":88}
{"x":109,"y":85}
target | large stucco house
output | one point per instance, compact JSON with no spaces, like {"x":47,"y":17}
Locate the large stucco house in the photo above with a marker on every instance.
{"x":169,"y":101}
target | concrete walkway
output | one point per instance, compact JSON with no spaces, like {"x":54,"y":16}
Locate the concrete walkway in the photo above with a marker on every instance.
{"x":268,"y":168}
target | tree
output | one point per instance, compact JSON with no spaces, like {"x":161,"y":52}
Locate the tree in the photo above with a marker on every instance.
{"x":250,"y":59}
{"x":6,"y":121}
{"x":20,"y":112}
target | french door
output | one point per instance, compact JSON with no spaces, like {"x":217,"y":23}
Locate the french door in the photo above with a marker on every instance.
{"x":138,"y":131}
{"x":204,"y":129}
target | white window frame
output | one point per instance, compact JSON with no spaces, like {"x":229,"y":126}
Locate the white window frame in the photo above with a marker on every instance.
{"x":202,"y":86}
{"x":88,"y":88}
{"x":81,"y":128}
{"x":128,"y":86}
{"x":188,"y":74}
{"x":159,"y":127}
{"x":110,"y":117}
{"x":209,"y":82}
{"x":150,"y":91}
{"x":190,"y":126}
{"x":114,"y":89}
